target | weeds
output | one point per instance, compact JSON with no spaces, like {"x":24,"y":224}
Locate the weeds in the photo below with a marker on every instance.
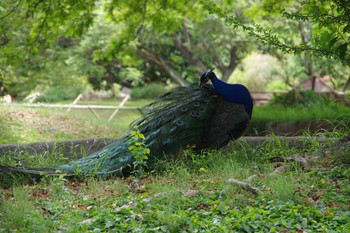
{"x":314,"y":201}
{"x":188,"y":193}
{"x":140,"y":153}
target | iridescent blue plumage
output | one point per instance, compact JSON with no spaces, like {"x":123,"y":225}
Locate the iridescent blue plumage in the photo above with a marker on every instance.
{"x":233,"y":93}
{"x":203,"y":117}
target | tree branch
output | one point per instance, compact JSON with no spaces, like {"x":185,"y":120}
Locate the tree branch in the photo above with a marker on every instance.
{"x":188,"y":55}
{"x":245,"y":185}
{"x":12,"y":10}
{"x":149,"y":55}
{"x":226,"y":70}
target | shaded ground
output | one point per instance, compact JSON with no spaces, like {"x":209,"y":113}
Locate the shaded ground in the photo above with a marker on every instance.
{"x":302,"y":187}
{"x":25,"y":126}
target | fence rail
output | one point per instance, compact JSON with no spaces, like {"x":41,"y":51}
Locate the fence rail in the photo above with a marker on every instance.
{"x":260,"y":98}
{"x":74,"y":105}
{"x":67,"y":106}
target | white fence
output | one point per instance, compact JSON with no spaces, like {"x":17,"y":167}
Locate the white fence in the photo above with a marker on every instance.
{"x":74,"y":105}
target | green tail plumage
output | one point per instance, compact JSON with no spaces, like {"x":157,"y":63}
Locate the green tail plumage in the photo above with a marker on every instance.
{"x":185,"y":116}
{"x":174,"y":120}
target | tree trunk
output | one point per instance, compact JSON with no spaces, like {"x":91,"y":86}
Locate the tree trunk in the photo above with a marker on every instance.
{"x":347,"y":84}
{"x":305,"y":29}
{"x":313,"y":82}
{"x":228,"y":70}
{"x":184,"y":46}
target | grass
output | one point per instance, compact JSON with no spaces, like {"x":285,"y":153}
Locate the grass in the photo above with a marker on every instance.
{"x":183,"y":194}
{"x":314,"y":200}
{"x":318,"y":111}
{"x":23,"y":125}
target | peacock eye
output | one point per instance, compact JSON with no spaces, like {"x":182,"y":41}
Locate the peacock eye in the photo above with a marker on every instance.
{"x":180,"y":122}
{"x":195,"y":114}
{"x":196,"y":104}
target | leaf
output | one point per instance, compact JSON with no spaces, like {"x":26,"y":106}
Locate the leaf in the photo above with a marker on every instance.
{"x":147,"y":151}
{"x":346,"y":28}
{"x":342,"y":49}
{"x":332,"y":42}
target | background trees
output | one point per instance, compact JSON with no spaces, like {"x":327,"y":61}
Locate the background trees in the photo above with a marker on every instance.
{"x":47,"y":45}
{"x":315,"y":31}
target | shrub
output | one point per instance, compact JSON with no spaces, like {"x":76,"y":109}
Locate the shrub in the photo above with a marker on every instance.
{"x":149,"y":91}
{"x":297,"y":97}
{"x":59,"y":93}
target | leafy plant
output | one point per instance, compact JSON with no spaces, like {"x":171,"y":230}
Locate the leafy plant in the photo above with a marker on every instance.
{"x":139,"y":151}
{"x":149,"y":91}
{"x":59,"y":93}
{"x":297,"y":97}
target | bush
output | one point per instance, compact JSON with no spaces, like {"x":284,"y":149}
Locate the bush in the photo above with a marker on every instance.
{"x":59,"y":93}
{"x":297,"y":97}
{"x":150,"y":91}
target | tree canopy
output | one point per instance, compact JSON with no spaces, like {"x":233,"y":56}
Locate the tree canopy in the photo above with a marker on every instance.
{"x":61,"y":43}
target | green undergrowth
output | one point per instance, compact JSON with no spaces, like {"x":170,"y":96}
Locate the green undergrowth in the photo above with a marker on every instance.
{"x":302,"y":105}
{"x":296,"y":119}
{"x":189,"y":193}
{"x":318,"y":111}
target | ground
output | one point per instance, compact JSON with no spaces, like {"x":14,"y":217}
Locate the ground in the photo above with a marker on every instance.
{"x":25,"y":126}
{"x":300,"y":189}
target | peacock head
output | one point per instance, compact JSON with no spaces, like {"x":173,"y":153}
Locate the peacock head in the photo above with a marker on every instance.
{"x":206,"y":77}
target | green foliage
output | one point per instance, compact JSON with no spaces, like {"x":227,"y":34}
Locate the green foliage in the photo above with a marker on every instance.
{"x":297,"y":97}
{"x":15,"y":214}
{"x":183,"y":198}
{"x":314,"y":111}
{"x":116,"y":41}
{"x":38,"y":20}
{"x":330,"y":22}
{"x":256,"y":71}
{"x":149,"y":91}
{"x":139,"y":151}
{"x":178,"y":53}
{"x":60,"y":93}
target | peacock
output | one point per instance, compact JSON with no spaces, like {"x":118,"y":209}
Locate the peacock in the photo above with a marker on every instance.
{"x":202,"y":117}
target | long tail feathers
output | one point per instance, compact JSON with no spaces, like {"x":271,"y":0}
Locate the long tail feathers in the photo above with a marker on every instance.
{"x":174,"y":120}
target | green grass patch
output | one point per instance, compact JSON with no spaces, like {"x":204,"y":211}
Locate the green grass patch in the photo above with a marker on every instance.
{"x":321,"y":111}
{"x":24,"y":125}
{"x":189,"y":194}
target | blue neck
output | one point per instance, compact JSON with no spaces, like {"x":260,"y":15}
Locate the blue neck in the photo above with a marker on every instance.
{"x":234,"y":93}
